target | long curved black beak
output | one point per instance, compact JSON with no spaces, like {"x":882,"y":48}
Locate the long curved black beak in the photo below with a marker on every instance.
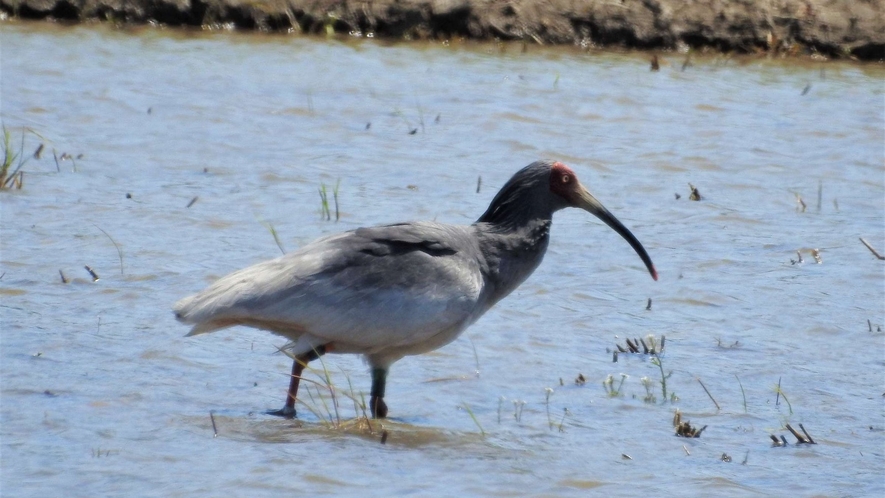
{"x":587,"y":202}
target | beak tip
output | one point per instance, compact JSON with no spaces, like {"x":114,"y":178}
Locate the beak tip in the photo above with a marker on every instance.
{"x":654,"y":273}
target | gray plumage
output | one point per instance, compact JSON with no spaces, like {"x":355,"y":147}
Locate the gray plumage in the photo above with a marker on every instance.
{"x":402,"y":289}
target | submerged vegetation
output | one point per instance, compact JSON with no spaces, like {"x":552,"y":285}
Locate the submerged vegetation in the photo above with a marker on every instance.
{"x":325,"y":212}
{"x":13,"y":177}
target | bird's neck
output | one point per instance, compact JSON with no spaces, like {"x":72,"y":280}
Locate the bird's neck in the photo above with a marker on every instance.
{"x":511,"y":253}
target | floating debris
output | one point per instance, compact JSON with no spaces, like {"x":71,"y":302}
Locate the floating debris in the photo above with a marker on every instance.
{"x":736,"y":344}
{"x":580,"y":380}
{"x":695,"y":194}
{"x":816,"y":254}
{"x":64,"y":280}
{"x":214,"y":429}
{"x":655,"y":65}
{"x":778,"y":442}
{"x":804,"y":438}
{"x":648,"y":306}
{"x":800,"y":439}
{"x":649,"y":345}
{"x":800,"y":203}
{"x":725,"y":457}
{"x":194,"y":200}
{"x":875,"y":253}
{"x":92,"y":273}
{"x":684,"y":429}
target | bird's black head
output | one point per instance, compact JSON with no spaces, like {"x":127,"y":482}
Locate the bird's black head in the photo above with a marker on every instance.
{"x":544,"y":187}
{"x":534,"y":192}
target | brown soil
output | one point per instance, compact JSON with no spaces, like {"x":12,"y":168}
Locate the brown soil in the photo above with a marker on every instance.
{"x":832,"y":28}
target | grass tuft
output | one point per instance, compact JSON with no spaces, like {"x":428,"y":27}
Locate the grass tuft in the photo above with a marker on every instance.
{"x":15,"y":178}
{"x":475,"y":420}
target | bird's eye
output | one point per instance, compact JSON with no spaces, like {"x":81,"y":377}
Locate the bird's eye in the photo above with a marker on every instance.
{"x":566,"y":178}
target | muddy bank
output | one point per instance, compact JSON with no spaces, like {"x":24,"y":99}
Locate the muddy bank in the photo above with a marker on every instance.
{"x":834,"y":28}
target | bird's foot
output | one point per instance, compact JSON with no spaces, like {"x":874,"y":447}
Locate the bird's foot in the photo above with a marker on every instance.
{"x":285,"y":412}
{"x":379,"y":408}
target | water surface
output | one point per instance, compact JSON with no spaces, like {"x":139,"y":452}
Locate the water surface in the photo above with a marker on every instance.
{"x":102,"y":394}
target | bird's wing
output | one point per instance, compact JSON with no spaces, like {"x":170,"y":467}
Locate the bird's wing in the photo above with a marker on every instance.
{"x":386,"y":286}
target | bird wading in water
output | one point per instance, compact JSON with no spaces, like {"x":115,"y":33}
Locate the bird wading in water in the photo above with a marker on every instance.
{"x":391,"y":291}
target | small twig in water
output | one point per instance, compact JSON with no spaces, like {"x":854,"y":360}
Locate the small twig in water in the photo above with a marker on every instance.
{"x":548,"y":391}
{"x":119,"y":251}
{"x":65,"y":280}
{"x":778,"y":397}
{"x":92,"y":273}
{"x":810,"y":440}
{"x":214,"y":429}
{"x":875,"y":253}
{"x":800,"y":439}
{"x":742,"y":392}
{"x":194,"y":200}
{"x":475,"y":355}
{"x":708,"y":393}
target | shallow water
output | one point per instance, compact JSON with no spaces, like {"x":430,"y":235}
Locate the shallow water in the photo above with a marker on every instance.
{"x":101,"y":394}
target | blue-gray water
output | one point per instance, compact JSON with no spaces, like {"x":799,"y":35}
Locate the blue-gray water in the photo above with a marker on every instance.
{"x":101,"y":394}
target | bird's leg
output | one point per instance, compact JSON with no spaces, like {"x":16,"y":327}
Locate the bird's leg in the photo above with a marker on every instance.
{"x":376,"y":402}
{"x":301,"y":361}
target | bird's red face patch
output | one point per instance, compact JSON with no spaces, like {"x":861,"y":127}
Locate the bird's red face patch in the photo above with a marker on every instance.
{"x":563,"y":180}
